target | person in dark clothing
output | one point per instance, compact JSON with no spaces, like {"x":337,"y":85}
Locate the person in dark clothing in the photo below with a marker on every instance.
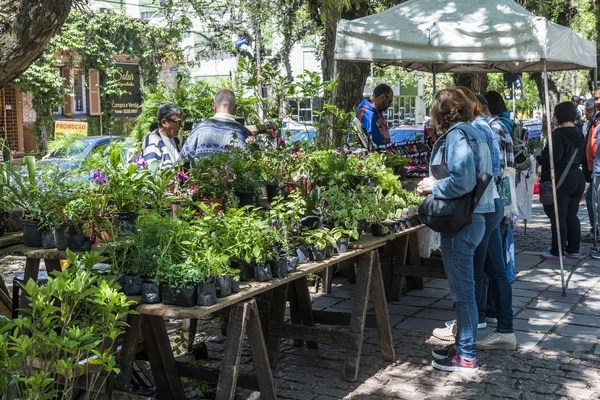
{"x":566,"y":140}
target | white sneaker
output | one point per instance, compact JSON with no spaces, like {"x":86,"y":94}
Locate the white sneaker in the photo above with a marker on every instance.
{"x":446,"y":333}
{"x":491,"y":320}
{"x":498,"y":341}
{"x":449,"y":331}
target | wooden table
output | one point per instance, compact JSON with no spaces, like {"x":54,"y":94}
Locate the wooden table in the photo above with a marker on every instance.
{"x":7,"y":240}
{"x":244,"y":318}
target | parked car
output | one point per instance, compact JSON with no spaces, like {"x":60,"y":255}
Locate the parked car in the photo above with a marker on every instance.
{"x":404,"y":133}
{"x":534,"y":126}
{"x":72,"y":157}
{"x":293,"y":131}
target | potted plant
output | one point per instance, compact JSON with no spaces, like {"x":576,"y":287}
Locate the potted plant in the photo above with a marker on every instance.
{"x":248,"y":183}
{"x":27,"y":195}
{"x":208,"y":180}
{"x":318,"y":239}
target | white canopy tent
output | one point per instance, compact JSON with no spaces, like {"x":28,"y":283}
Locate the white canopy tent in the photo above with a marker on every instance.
{"x":467,"y":36}
{"x":463,"y":36}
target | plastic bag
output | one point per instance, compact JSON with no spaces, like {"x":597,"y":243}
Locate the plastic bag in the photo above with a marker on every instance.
{"x":508,"y":193}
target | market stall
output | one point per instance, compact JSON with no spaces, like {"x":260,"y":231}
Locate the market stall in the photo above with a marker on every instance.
{"x":466,"y":36}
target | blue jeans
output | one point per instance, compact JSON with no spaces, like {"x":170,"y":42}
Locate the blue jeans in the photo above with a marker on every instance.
{"x":589,"y":204}
{"x":490,"y":271}
{"x":458,"y":250}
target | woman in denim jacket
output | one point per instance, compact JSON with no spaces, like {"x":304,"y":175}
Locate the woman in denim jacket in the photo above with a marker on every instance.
{"x":450,"y":113}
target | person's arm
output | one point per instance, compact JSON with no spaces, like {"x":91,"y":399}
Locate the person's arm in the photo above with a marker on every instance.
{"x":544,"y":158}
{"x":558,"y":148}
{"x":461,"y":164}
{"x":590,"y":148}
{"x":189,"y":147}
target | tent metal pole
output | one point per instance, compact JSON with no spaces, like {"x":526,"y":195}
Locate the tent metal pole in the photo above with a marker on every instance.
{"x":595,"y":78}
{"x":553,"y":179}
{"x":434,"y":80}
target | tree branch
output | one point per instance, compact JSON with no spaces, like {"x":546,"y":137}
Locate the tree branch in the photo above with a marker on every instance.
{"x":23,"y":40}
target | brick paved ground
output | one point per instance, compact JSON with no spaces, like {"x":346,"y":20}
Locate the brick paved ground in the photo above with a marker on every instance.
{"x":557,"y":358}
{"x":557,"y":337}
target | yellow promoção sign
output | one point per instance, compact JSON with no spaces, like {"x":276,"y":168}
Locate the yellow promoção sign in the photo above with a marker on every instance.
{"x":73,"y":128}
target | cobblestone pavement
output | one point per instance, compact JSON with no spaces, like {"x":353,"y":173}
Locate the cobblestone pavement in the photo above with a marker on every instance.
{"x":557,"y":357}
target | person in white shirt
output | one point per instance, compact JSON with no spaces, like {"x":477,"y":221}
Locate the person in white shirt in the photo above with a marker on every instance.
{"x":162,"y":144}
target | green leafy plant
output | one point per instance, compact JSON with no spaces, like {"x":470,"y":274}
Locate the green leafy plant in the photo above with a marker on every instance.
{"x":69,"y":329}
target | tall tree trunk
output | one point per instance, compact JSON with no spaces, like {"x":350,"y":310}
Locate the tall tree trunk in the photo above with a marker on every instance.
{"x":553,"y":94}
{"x":477,"y":82}
{"x":352,"y":76}
{"x":27,"y":34}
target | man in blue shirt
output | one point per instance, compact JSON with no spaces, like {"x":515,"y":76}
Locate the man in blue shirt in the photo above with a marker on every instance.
{"x":369,"y":113}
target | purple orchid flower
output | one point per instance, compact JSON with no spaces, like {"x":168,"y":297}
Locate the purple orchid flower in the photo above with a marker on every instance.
{"x":99,"y":177}
{"x":140,"y":162}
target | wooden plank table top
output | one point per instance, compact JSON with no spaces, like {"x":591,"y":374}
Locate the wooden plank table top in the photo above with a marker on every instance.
{"x":247,"y":289}
{"x":368,"y":240}
{"x":11,"y":238}
{"x":365,"y":244}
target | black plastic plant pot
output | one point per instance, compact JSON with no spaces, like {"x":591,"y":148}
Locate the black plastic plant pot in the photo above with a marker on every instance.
{"x":207,"y":294}
{"x":317,"y":254}
{"x":342,"y":245}
{"x":416,"y":220}
{"x":223,"y":283}
{"x":403,"y":223}
{"x":390,"y":225}
{"x":246,"y":270}
{"x":151,"y":293}
{"x":303,"y":254}
{"x":292,"y":264}
{"x":60,"y":238}
{"x":78,"y":241}
{"x":361,"y":226}
{"x":235,"y":284}
{"x":273,"y":191}
{"x":368,"y":228}
{"x":246,"y":198}
{"x":185,"y":297}
{"x":32,"y":236}
{"x":310,"y":222}
{"x":48,"y":241}
{"x":279,"y":268}
{"x":126,"y":222}
{"x":329,"y":250}
{"x":379,"y":230}
{"x":132,"y":285}
{"x":262,"y":273}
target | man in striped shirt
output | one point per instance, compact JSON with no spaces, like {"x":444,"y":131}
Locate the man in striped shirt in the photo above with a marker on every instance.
{"x":162,"y":144}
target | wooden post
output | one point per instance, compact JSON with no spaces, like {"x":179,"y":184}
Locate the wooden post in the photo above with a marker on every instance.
{"x":161,"y":358}
{"x":382,"y":318}
{"x":230,"y":362}
{"x":260,"y":357}
{"x":128,"y":350}
{"x":359,"y":312}
{"x":277,"y":315}
{"x":304,"y":306}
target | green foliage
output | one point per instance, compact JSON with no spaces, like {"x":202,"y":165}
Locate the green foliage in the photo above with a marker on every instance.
{"x":96,"y":38}
{"x":194,"y":98}
{"x":68,"y":329}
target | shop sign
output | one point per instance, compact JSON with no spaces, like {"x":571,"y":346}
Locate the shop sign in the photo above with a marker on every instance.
{"x":127,"y":105}
{"x":70,"y":128}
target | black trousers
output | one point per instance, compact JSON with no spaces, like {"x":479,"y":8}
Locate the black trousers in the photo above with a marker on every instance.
{"x":568,"y":196}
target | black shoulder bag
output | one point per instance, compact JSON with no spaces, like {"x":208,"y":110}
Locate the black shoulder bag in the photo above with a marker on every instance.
{"x":451,"y":215}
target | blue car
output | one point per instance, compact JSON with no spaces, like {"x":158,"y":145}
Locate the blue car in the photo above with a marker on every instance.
{"x":293,"y":131}
{"x":406,"y":133}
{"x":73,"y":157}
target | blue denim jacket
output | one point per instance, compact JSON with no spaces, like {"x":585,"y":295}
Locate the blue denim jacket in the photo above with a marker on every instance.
{"x":462,"y":162}
{"x":482,"y":124}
